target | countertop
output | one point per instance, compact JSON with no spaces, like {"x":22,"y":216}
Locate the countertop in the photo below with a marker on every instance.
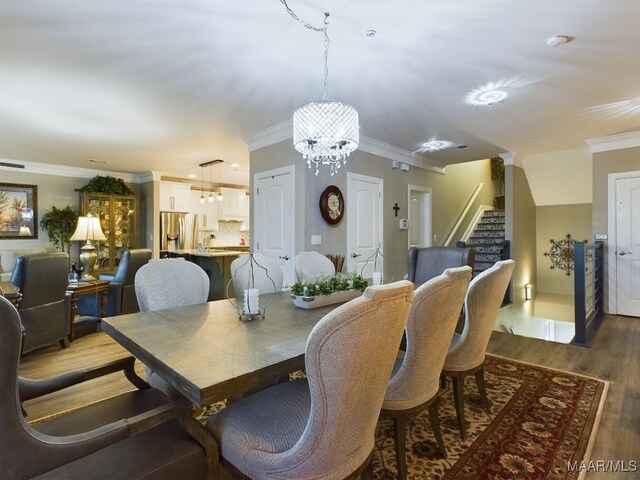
{"x":211,"y":252}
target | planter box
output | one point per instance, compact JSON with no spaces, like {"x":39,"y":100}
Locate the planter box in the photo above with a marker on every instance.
{"x":323,"y":300}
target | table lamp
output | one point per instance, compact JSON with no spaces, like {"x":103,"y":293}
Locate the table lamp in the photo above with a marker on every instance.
{"x":88,"y":229}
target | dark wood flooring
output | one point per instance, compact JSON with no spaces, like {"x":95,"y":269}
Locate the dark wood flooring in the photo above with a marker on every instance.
{"x":614,"y":357}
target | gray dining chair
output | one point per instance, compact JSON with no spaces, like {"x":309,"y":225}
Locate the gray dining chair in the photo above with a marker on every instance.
{"x":243,"y":276}
{"x":309,"y":265}
{"x":322,"y":426}
{"x":415,"y":382}
{"x":169,"y":283}
{"x":137,"y":434}
{"x":467,"y":350}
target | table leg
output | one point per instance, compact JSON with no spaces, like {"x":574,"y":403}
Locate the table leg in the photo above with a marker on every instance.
{"x":103,"y":303}
{"x":74,"y":312}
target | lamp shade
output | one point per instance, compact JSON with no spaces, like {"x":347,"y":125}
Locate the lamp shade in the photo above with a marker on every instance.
{"x":88,"y":229}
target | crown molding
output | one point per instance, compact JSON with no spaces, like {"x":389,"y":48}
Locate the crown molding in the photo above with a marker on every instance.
{"x":513,"y":158}
{"x":284,"y":131}
{"x":614,"y":142}
{"x":64,"y":170}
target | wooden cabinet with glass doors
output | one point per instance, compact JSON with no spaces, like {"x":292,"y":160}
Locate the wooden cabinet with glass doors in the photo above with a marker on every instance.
{"x":118,"y":218}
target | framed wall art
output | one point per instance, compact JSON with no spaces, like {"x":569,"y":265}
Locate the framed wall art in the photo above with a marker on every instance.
{"x":18,"y":211}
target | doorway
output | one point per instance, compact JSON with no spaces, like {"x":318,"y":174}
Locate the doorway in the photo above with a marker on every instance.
{"x":624,"y":243}
{"x":419,"y":213}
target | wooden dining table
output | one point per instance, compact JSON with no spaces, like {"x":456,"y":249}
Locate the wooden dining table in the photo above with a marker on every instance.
{"x":208,"y":354}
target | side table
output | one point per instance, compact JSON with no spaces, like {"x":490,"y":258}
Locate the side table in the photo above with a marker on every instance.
{"x":9,"y":291}
{"x":93,"y":287}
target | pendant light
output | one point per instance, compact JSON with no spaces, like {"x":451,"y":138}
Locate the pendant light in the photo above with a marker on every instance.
{"x":201,"y":185}
{"x":211,"y":197}
{"x":220,"y":196}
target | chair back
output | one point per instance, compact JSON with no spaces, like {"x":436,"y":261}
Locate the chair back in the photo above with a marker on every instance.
{"x":44,"y":308}
{"x":263,"y":266}
{"x":427,"y":263}
{"x":171,"y":282}
{"x":432,"y":320}
{"x":482,"y":304}
{"x":349,"y":358}
{"x":130,"y":263}
{"x":310,"y":265}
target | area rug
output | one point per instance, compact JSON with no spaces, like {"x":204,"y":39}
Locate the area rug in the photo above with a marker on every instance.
{"x":541,"y":425}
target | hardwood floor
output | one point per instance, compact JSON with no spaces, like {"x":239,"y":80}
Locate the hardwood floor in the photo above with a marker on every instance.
{"x":613,"y":357}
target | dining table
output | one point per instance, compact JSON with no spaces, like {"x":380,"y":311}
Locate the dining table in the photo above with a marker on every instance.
{"x":207,"y":353}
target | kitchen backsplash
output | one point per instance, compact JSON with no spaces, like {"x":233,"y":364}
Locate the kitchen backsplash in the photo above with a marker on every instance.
{"x":228,"y":233}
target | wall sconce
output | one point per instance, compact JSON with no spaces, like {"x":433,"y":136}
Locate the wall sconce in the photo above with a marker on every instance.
{"x":527,"y":291}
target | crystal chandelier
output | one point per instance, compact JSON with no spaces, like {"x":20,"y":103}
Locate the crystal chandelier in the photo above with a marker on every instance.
{"x":325,"y":132}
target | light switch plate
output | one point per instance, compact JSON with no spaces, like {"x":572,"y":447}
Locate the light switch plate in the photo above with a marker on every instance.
{"x":602,"y":236}
{"x":316,"y":239}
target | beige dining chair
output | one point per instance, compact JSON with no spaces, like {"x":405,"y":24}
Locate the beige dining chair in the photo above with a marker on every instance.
{"x":169,"y":283}
{"x":263,"y":268}
{"x":322,"y":426}
{"x":467,"y":351}
{"x":415,"y":382}
{"x":137,"y":434}
{"x":309,"y":265}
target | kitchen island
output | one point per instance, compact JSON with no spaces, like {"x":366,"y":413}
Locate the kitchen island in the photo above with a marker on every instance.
{"x":216,"y":262}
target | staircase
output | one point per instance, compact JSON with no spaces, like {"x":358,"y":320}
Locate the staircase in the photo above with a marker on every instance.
{"x":488,"y":240}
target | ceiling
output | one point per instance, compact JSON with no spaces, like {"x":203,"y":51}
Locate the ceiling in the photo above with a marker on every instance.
{"x":165,"y":85}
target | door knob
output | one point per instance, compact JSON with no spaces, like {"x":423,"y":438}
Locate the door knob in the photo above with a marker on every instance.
{"x":622,"y":254}
{"x":285,"y":257}
{"x":355,"y":255}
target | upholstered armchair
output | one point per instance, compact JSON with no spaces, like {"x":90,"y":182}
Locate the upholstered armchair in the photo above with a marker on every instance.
{"x":263,"y":265}
{"x":311,"y":265}
{"x":45,"y":309}
{"x":467,"y":351}
{"x":121,"y":295}
{"x":138,"y":434}
{"x":322,"y":426}
{"x":427,"y":263}
{"x":415,"y":381}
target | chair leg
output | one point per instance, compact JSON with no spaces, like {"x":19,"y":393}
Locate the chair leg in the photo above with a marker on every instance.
{"x":435,"y":426}
{"x":458,"y":390}
{"x":64,"y":342}
{"x":482,"y":390}
{"x":399,"y":426}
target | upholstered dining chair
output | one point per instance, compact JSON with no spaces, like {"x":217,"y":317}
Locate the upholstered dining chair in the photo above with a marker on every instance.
{"x":243,"y":279}
{"x":467,"y":351}
{"x":45,"y":308}
{"x":121,"y":295}
{"x":415,"y":382}
{"x":322,"y":426}
{"x":311,"y":265}
{"x":138,"y":434}
{"x":169,"y":283}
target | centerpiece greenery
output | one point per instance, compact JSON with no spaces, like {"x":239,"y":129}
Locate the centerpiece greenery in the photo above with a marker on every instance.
{"x":328,"y":284}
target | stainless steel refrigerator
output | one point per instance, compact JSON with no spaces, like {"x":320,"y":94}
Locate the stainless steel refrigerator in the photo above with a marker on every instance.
{"x":178,"y":231}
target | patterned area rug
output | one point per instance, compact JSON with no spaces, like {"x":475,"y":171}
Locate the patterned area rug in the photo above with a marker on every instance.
{"x":541,"y":426}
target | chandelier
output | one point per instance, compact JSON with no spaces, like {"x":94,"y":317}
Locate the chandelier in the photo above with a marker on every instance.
{"x":325,"y":132}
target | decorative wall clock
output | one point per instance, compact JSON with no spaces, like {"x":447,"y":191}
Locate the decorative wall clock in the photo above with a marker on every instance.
{"x":332,"y":205}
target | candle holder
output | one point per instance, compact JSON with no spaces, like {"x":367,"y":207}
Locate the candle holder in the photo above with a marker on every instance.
{"x":251,"y":275}
{"x":376,"y":258}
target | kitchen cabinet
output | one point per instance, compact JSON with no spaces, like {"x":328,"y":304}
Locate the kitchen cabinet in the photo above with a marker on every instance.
{"x":235,"y":205}
{"x":118,"y":216}
{"x":174,"y":197}
{"x":207,"y":212}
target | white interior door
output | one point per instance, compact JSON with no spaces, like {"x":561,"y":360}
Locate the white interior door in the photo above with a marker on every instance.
{"x":419,"y":214}
{"x":364,"y":223}
{"x":274,"y":218}
{"x":627,"y":248}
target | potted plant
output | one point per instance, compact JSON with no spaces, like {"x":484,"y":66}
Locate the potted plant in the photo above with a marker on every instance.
{"x":59,"y":224}
{"x":110,"y":185}
{"x":497,"y":174}
{"x":327,"y":290}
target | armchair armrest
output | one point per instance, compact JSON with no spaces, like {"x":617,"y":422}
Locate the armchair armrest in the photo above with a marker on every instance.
{"x":29,"y":389}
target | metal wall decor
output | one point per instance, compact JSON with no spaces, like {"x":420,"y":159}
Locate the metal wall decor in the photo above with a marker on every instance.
{"x":561,"y":254}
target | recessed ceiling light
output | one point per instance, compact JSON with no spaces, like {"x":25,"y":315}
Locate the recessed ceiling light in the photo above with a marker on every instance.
{"x":487,"y":95}
{"x":370,"y":33}
{"x":234,"y":165}
{"x":435,"y":145}
{"x":193,"y":175}
{"x":558,"y":40}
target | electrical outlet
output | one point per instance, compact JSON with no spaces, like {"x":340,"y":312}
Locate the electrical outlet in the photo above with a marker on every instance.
{"x":435,"y":238}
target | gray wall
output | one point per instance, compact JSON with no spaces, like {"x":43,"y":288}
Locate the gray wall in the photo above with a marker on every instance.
{"x":450,"y":193}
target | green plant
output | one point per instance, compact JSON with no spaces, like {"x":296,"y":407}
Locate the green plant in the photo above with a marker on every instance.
{"x":497,"y":172}
{"x":59,"y":224}
{"x":328,"y":284}
{"x":110,"y":185}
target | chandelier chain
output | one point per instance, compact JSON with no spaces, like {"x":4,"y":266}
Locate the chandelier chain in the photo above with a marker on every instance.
{"x":324,"y":30}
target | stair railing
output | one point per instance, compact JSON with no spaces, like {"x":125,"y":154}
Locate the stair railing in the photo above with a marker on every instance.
{"x":588,"y":290}
{"x":463,"y":214}
{"x":475,"y":220}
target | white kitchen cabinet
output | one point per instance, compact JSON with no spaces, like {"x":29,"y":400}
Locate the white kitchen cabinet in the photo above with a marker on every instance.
{"x":174,"y":197}
{"x":207,"y":212}
{"x":234,"y":207}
